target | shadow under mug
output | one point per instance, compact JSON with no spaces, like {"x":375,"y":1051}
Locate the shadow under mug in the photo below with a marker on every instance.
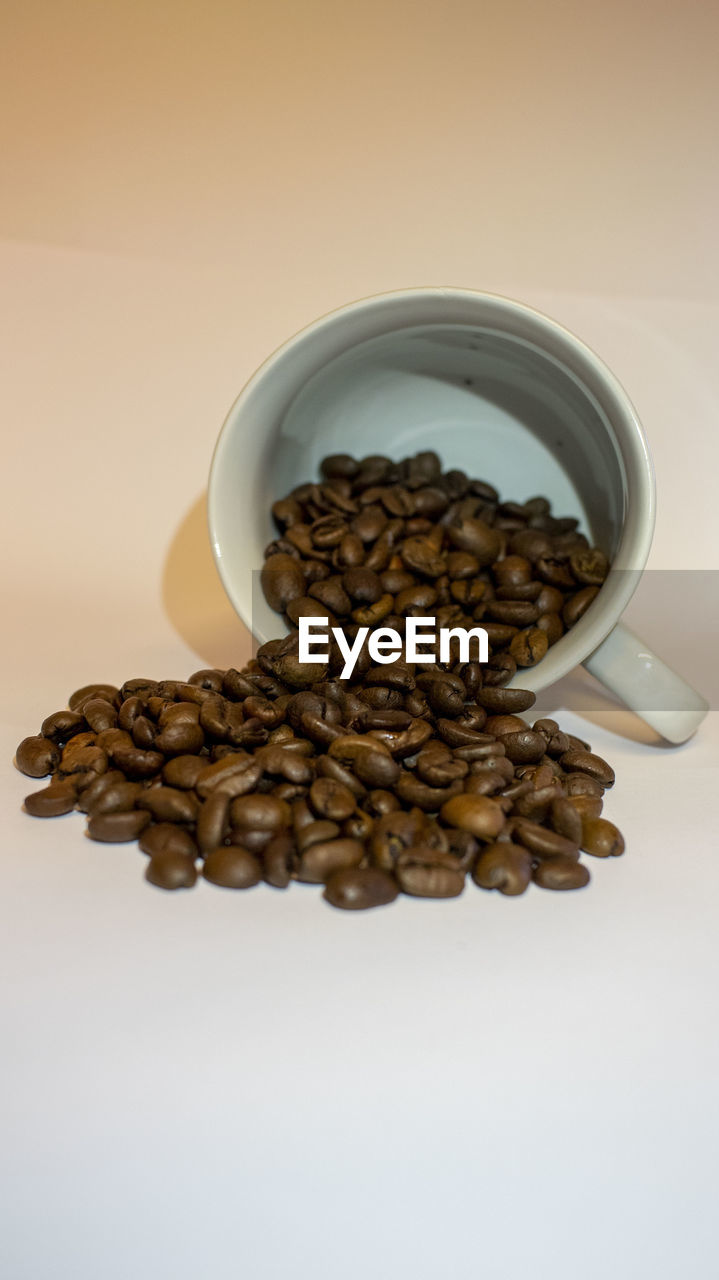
{"x":495,"y":388}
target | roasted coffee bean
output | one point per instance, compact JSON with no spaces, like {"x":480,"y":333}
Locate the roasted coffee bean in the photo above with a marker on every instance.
{"x":117,"y":827}
{"x":331,"y":799}
{"x":360,"y":888}
{"x":543,"y":842}
{"x":282,"y":581}
{"x":477,"y":814}
{"x":561,"y":873}
{"x":37,"y":756}
{"x":61,"y":726}
{"x":316,"y":832}
{"x":260,"y":812}
{"x":184,"y":771}
{"x":601,"y":838}
{"x":577,"y":606}
{"x":213,"y":820}
{"x":119,"y":797}
{"x":169,"y":804}
{"x":107,"y":691}
{"x":586,"y":806}
{"x":165,"y":837}
{"x":429,"y":873}
{"x":566,"y":820}
{"x":137,"y":764}
{"x":503,"y":866}
{"x":505,"y":701}
{"x":321,"y":860}
{"x":578,"y":761}
{"x":529,"y":646}
{"x":171,"y":870}
{"x":232,"y":867}
{"x":53,"y":800}
{"x":589,"y":566}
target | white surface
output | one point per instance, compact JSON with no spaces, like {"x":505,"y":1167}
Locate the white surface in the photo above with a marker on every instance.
{"x":254,"y":1085}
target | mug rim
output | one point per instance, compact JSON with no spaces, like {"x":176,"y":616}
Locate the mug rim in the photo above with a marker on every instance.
{"x":596,"y":377}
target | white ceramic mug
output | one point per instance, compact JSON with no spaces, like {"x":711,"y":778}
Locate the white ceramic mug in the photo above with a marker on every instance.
{"x":496,"y":389}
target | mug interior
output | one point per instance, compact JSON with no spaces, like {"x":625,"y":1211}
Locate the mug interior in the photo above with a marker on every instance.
{"x":507,"y":396}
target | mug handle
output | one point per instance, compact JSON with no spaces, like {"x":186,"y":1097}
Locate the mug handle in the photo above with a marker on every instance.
{"x":647,"y":685}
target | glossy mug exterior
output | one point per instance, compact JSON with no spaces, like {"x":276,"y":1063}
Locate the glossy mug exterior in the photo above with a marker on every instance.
{"x":495,"y":388}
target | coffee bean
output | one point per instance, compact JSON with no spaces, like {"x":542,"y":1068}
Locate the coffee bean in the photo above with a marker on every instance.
{"x":360,"y":888}
{"x":232,"y":867}
{"x":213,"y":820}
{"x":561,"y":873}
{"x":37,"y":756}
{"x":331,"y":799}
{"x":169,"y":804}
{"x":61,"y":726}
{"x":159,"y":838}
{"x":429,"y":873}
{"x":529,"y":646}
{"x":117,"y":827}
{"x":577,"y":606}
{"x":503,"y":866}
{"x":543,"y":842}
{"x":601,"y":838}
{"x":578,"y":761}
{"x":282,"y":581}
{"x":118,"y":797}
{"x":53,"y":800}
{"x":477,"y":814}
{"x":321,"y":860}
{"x":106,"y":691}
{"x":171,"y":870}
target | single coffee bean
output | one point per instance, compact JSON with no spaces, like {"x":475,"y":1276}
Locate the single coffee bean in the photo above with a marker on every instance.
{"x":577,"y":606}
{"x":580,"y":784}
{"x":321,"y":860}
{"x":524,"y":746}
{"x":360,"y":888}
{"x":477,"y":814}
{"x":107,"y":691}
{"x":542,"y":842}
{"x":117,"y":827}
{"x":61,"y":726}
{"x":505,"y":701}
{"x":429,"y":873}
{"x":561,"y":873}
{"x":601,"y":838}
{"x":282,"y":581}
{"x":260,"y":812}
{"x":566,"y":820}
{"x":184,"y":771}
{"x":169,"y":804}
{"x":99,"y":714}
{"x":171,"y":870}
{"x":589,"y":566}
{"x":165,"y":837}
{"x":37,"y":756}
{"x":213,"y":821}
{"x":331,"y":799}
{"x":503,"y":866}
{"x":593,"y":766}
{"x":529,"y":647}
{"x":136,"y":764}
{"x":53,"y":800}
{"x":316,"y":832}
{"x":586,"y":806}
{"x":119,"y":797}
{"x":232,"y":867}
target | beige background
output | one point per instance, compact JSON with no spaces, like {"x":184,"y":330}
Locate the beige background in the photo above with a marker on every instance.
{"x":252,"y":1084}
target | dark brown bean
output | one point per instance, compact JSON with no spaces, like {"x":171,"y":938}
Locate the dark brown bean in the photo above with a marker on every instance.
{"x":117,"y":827}
{"x":585,"y":762}
{"x":321,"y":860}
{"x":561,"y":873}
{"x":53,"y":800}
{"x":503,"y":866}
{"x":171,"y":870}
{"x":360,"y":888}
{"x":37,"y":756}
{"x":232,"y":867}
{"x":429,"y":873}
{"x":478,"y":814}
{"x":601,"y":838}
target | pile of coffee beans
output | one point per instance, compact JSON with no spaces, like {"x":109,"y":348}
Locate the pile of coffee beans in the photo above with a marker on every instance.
{"x":377,"y":541}
{"x":406,"y":778}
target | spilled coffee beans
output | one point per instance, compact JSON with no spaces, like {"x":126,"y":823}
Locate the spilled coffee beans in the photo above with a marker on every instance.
{"x":408,"y":777}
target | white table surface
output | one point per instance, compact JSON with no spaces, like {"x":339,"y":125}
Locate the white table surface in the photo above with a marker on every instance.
{"x":251,"y":1084}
